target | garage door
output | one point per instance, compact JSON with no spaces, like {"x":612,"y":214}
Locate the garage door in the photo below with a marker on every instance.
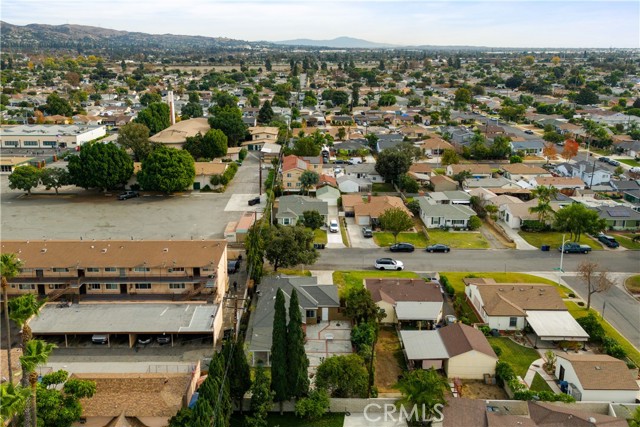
{"x":363,"y":220}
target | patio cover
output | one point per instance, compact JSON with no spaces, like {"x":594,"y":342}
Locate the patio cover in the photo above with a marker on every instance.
{"x":413,"y":310}
{"x":422,"y":345}
{"x":556,"y":326}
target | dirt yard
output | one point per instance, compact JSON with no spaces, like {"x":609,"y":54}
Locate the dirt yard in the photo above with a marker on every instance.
{"x":477,"y":389}
{"x":389,"y":360}
{"x":15,"y":364}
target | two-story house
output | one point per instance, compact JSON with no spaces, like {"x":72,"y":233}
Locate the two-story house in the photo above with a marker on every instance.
{"x":588,"y":172}
{"x":259,"y":136}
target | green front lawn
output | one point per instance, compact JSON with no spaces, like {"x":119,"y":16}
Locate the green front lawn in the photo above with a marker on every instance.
{"x":290,"y":420}
{"x":382,"y":187}
{"x":455,"y":278}
{"x":554,"y":239}
{"x":457,"y":240}
{"x":320,"y":236}
{"x":519,"y":357}
{"x":347,"y":280}
{"x":578,"y":312}
{"x":386,"y":239}
{"x":630,"y":162}
{"x":539,"y":384}
{"x":626,"y":240}
{"x":633,"y":284}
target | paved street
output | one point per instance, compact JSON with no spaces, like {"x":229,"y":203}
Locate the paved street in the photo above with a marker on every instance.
{"x":477,"y":260}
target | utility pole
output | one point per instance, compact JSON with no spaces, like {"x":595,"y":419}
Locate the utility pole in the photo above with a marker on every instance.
{"x":259,"y":175}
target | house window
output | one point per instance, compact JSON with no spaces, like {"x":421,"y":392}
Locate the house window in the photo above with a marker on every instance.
{"x":49,"y":143}
{"x":288,"y":184}
{"x":26,"y":270}
{"x":513,"y":322}
{"x":288,"y":175}
{"x":311,"y":313}
{"x":11,"y":143}
{"x":95,"y":286}
{"x":30,"y":143}
{"x":435,"y":221}
{"x":93,"y":270}
{"x":286,"y":221}
{"x":6,"y":168}
{"x":57,"y":286}
{"x":143,"y":285}
{"x":110,"y":269}
{"x":111,"y":286}
{"x":60,"y":270}
{"x":458,"y":222}
{"x":27,"y":287}
{"x":176,"y":285}
{"x":141,"y":269}
{"x":174,"y":269}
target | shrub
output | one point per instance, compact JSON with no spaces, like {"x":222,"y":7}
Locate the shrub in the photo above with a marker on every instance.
{"x":414,"y":207}
{"x":535,"y":226}
{"x":580,"y":303}
{"x":314,"y":406}
{"x":485,"y":330}
{"x":613,"y":348}
{"x":497,"y":350}
{"x":446,"y":285}
{"x":475,"y":222}
{"x":224,"y":180}
{"x":504,"y":373}
{"x":242,"y":154}
{"x":206,"y":188}
{"x":215,"y":180}
{"x":572,"y":295}
{"x":592,"y":326}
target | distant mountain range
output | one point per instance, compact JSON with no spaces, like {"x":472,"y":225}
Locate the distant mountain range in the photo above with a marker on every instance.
{"x":338,"y":42}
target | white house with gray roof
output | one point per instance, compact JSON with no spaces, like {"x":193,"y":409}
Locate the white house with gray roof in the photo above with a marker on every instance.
{"x":435,"y":215}
{"x":292,"y":208}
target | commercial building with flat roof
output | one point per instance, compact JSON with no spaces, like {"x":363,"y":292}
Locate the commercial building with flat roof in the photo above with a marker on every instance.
{"x":49,"y":136}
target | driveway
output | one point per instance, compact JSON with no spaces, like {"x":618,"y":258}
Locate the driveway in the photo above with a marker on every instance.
{"x":355,"y":235}
{"x":334,"y":240}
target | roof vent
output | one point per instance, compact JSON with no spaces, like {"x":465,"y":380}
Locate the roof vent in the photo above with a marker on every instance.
{"x":165,"y":250}
{"x":592,"y":420}
{"x":43,"y":250}
{"x":500,"y":289}
{"x":93,"y":247}
{"x":598,"y":368}
{"x":104,"y":251}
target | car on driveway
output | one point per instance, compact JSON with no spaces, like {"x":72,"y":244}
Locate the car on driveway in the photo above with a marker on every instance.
{"x":574,"y":248}
{"x":402,"y":247}
{"x":438,"y":247}
{"x":128,"y":195}
{"x":254,"y":201}
{"x":333,"y":226}
{"x":450,"y":319}
{"x":608,"y":241}
{"x":528,"y":132}
{"x":367,"y":232}
{"x":388,"y":264}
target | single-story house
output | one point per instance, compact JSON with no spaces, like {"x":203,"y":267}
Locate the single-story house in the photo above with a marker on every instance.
{"x":435,"y":215}
{"x":489,"y":183}
{"x":204,"y":172}
{"x":318,"y":303}
{"x":367,"y":213}
{"x":328,"y":193}
{"x":477,"y":170}
{"x":292,"y":208}
{"x":176,"y":135}
{"x":514,"y":212}
{"x":9,"y":164}
{"x":233,"y":153}
{"x":461,"y":350}
{"x":511,"y":306}
{"x":561,"y":183}
{"x":411,"y":301}
{"x":443,"y":183}
{"x":351,"y":184}
{"x":434,"y":146}
{"x":518,"y":171}
{"x":454,"y":197}
{"x":530,"y":147}
{"x":597,"y":377}
{"x":620,"y":217}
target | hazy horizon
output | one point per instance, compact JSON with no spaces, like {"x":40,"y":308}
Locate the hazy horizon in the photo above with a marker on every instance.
{"x":513,"y":24}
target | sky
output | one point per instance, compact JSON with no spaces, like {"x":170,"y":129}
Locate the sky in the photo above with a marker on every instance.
{"x":498,"y":23}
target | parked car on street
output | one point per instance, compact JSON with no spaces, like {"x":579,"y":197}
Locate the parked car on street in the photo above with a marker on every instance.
{"x":388,"y":264}
{"x":603,"y":159}
{"x":613,"y":162}
{"x":333,"y":226}
{"x":528,"y":132}
{"x":128,"y":195}
{"x":609,"y":241}
{"x":402,"y":247}
{"x":438,"y":247}
{"x":367,"y":232}
{"x":233,"y":266}
{"x":574,"y":248}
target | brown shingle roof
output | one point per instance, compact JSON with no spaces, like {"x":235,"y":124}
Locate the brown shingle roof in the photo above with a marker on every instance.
{"x":471,"y":167}
{"x":552,"y":415}
{"x":511,"y":299}
{"x":523,"y":169}
{"x":460,"y":338}
{"x":393,"y":290}
{"x":421,"y":168}
{"x":559,"y":180}
{"x":378,"y":205}
{"x":460,"y":412}
{"x":178,"y":133}
{"x":116,"y":253}
{"x":601,"y":372}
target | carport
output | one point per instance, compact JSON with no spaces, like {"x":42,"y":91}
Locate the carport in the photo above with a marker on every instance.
{"x":555,"y":325}
{"x":131,"y":319}
{"x":418,"y":313}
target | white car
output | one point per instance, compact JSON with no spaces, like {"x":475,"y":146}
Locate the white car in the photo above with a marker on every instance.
{"x":333,"y":226}
{"x":388,"y":264}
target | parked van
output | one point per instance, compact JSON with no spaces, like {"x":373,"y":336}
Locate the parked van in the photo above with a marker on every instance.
{"x":100,"y":339}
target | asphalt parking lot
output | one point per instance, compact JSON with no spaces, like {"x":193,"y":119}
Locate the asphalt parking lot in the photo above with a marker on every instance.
{"x":77,"y":213}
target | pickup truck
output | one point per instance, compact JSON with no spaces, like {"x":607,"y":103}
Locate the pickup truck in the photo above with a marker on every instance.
{"x":574,"y":248}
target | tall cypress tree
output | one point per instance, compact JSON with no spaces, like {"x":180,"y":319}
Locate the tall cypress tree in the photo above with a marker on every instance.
{"x":279,"y":368}
{"x":298,"y":361}
{"x":239,"y":373}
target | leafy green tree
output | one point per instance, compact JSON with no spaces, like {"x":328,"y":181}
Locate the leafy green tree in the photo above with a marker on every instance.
{"x":156,"y":117}
{"x":515,"y":159}
{"x":261,"y":399}
{"x":392,"y":164}
{"x":255,"y":246}
{"x":135,"y":137}
{"x":62,"y":408}
{"x":343,"y":376}
{"x":587,"y":96}
{"x":24,"y":178}
{"x":191,"y":110}
{"x":308,"y":145}
{"x":578,"y":219}
{"x":289,"y":246}
{"x":552,"y":136}
{"x":57,"y":106}
{"x":12,"y":401}
{"x":240,"y":379}
{"x":395,"y":220}
{"x":360,"y":308}
{"x":314,"y":406}
{"x":35,"y":353}
{"x":167,"y":170}
{"x":474,"y":222}
{"x":387,"y":99}
{"x":372,"y":141}
{"x":462,"y":96}
{"x":10,"y":266}
{"x":214,"y":144}
{"x":425,"y":389}
{"x":461,"y":177}
{"x":279,"y":348}
{"x":102,"y":166}
{"x":54,"y":178}
{"x":312,"y":219}
{"x":265,"y":115}
{"x":308,"y":180}
{"x":229,"y":120}
{"x":408,"y":184}
{"x":149,"y":98}
{"x":297,"y":360}
{"x":183,"y":418}
{"x":543,"y":209}
{"x":500,"y":147}
{"x":449,"y":157}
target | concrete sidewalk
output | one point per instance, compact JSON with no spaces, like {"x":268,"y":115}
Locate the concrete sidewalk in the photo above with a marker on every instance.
{"x":536,"y":367}
{"x":521,"y":244}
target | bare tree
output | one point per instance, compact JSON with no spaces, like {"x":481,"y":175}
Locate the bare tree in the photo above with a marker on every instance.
{"x":596,"y":281}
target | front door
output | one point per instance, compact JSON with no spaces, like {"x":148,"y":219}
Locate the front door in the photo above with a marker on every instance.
{"x":123,"y":272}
{"x":81,"y":272}
{"x":41,"y":290}
{"x":83,"y":289}
{"x":325,"y":314}
{"x":561,"y":376}
{"x":196,"y":271}
{"x":39,"y":274}
{"x":123,"y":288}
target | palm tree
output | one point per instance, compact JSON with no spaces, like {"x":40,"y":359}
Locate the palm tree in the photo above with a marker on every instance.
{"x":544,"y":209}
{"x":9,"y":268}
{"x":36,"y":353}
{"x":425,"y":389}
{"x":12,"y":400}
